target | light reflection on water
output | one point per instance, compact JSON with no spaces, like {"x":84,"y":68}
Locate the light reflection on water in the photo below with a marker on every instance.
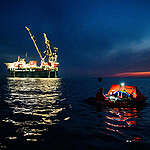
{"x":119,"y":119}
{"x":36,"y":105}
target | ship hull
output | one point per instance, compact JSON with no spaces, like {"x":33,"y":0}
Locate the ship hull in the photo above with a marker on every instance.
{"x":33,"y":73}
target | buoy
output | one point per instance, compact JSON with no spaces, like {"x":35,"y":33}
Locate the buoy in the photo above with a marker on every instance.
{"x":99,"y":79}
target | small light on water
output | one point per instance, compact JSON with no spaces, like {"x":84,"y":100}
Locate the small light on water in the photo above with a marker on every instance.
{"x":67,"y":118}
{"x":33,"y":140}
{"x":11,"y":138}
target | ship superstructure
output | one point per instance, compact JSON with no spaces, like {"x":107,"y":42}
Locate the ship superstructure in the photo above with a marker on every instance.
{"x":48,"y":67}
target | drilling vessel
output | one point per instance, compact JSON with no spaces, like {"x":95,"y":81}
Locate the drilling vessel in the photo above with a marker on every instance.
{"x":48,"y":67}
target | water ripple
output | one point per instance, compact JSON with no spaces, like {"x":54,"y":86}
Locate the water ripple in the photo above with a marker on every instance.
{"x":35,"y":105}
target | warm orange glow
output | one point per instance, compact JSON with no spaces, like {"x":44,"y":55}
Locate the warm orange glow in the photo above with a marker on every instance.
{"x":132,"y":74}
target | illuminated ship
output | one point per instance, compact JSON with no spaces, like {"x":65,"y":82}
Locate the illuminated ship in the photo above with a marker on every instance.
{"x":48,"y":67}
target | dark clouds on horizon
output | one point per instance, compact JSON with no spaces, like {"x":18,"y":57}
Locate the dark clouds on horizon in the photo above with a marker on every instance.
{"x":94,"y":37}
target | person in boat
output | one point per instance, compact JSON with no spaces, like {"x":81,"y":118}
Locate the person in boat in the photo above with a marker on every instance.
{"x":100,"y":94}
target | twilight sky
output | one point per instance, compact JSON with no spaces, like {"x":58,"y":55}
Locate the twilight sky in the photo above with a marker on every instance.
{"x":94,"y":37}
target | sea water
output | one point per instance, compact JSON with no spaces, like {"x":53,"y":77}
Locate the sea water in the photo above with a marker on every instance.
{"x":54,"y":114}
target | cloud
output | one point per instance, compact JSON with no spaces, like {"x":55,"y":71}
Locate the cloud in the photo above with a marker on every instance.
{"x":134,"y":46}
{"x":143,"y":45}
{"x":132,"y":74}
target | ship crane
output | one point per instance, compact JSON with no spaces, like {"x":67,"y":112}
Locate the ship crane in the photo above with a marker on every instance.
{"x":52,"y":56}
{"x":48,"y":48}
{"x":34,"y":41}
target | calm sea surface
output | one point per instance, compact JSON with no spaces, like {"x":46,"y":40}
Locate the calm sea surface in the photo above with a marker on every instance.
{"x":53,"y":114}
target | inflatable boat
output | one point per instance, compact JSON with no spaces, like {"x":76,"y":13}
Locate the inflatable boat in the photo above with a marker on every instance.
{"x":121,"y":95}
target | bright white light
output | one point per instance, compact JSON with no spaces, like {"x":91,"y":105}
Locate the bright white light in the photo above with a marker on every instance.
{"x":122,"y":84}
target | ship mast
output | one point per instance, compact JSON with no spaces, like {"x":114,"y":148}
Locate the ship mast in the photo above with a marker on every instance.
{"x":34,"y":41}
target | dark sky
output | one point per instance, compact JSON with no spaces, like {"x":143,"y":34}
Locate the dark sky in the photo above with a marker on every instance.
{"x":94,"y":37}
